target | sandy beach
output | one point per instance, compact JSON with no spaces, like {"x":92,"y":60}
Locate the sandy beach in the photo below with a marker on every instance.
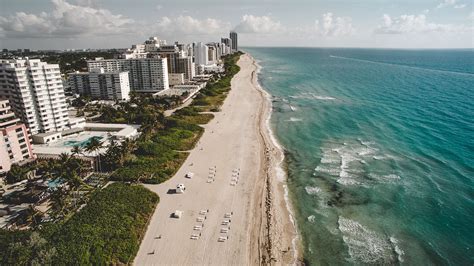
{"x":233,"y":209}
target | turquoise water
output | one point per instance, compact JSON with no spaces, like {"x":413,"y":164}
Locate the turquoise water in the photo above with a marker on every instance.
{"x":82,"y":144}
{"x":380,"y":151}
{"x":54,"y":183}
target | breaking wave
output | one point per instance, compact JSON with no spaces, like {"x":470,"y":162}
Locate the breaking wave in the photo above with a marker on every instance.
{"x":366,"y":246}
{"x":312,"y":96}
{"x":350,"y":163}
{"x":312,"y":190}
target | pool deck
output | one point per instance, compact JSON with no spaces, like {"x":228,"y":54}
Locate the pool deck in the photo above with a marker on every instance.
{"x":64,"y":145}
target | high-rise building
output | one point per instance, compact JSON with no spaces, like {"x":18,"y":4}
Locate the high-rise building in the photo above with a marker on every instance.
{"x":113,"y":85}
{"x":147,"y":75}
{"x":201,"y":54}
{"x":144,"y":74}
{"x":226,"y":46}
{"x":226,"y":41}
{"x":36,"y":93}
{"x":212,"y":54}
{"x":233,"y":37}
{"x":15,"y":144}
{"x":186,"y":66}
{"x":79,"y":83}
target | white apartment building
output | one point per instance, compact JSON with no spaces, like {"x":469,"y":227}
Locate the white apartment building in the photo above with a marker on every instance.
{"x":107,"y":64}
{"x":110,"y":85}
{"x":145,"y":74}
{"x":36,"y":93}
{"x":99,"y":84}
{"x":201,"y":52}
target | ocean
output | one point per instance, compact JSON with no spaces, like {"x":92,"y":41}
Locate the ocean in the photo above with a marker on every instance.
{"x":379,"y":148}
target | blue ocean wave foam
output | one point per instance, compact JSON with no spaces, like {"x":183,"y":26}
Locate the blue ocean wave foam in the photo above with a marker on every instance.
{"x":367,"y":246}
{"x":352,"y":163}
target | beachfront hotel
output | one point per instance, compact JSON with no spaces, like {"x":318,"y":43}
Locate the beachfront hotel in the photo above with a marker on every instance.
{"x":36,"y":93}
{"x":15,"y":145}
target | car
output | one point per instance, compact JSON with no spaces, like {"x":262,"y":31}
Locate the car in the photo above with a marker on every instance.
{"x":180,"y":188}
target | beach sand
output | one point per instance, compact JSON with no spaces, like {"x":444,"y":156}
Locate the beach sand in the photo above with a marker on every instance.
{"x":260,"y":230}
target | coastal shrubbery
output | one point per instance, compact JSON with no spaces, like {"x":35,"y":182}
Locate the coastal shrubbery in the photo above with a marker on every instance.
{"x":108,"y":230}
{"x":213,"y":95}
{"x":163,"y":145}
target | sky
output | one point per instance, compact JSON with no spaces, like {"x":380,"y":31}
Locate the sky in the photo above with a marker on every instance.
{"x":76,"y":24}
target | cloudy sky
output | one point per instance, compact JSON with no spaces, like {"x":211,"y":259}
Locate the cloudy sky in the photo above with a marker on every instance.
{"x":60,"y":24}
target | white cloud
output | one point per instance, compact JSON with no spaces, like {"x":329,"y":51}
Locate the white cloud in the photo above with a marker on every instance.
{"x":334,"y":26}
{"x":159,"y":7}
{"x":256,"y":24}
{"x":65,"y":20}
{"x":452,"y":3}
{"x":192,"y":26}
{"x":415,"y":24}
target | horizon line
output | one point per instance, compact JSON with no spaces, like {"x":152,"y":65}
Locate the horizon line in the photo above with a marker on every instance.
{"x":277,"y":46}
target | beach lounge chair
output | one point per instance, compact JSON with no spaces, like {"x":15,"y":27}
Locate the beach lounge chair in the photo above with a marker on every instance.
{"x":197,"y":228}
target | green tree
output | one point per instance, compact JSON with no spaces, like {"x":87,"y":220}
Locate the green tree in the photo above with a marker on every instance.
{"x":94,"y":146}
{"x":17,"y":173}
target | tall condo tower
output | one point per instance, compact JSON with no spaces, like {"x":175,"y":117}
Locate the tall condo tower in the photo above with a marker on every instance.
{"x":233,"y":37}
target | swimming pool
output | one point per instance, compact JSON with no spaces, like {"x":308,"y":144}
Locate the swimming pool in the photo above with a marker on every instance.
{"x":83,"y":143}
{"x":54,"y":183}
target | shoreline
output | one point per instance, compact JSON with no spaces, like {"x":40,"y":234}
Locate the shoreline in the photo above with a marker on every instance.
{"x":280,"y":221}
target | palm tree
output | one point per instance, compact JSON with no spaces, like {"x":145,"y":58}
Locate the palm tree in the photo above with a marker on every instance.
{"x":76,"y":150}
{"x":58,"y":200}
{"x":94,"y":146}
{"x":128,"y":146}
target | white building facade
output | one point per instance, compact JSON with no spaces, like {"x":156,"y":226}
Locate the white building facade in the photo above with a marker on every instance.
{"x":103,"y":85}
{"x":145,"y":74}
{"x":201,"y":52}
{"x":36,"y":94}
